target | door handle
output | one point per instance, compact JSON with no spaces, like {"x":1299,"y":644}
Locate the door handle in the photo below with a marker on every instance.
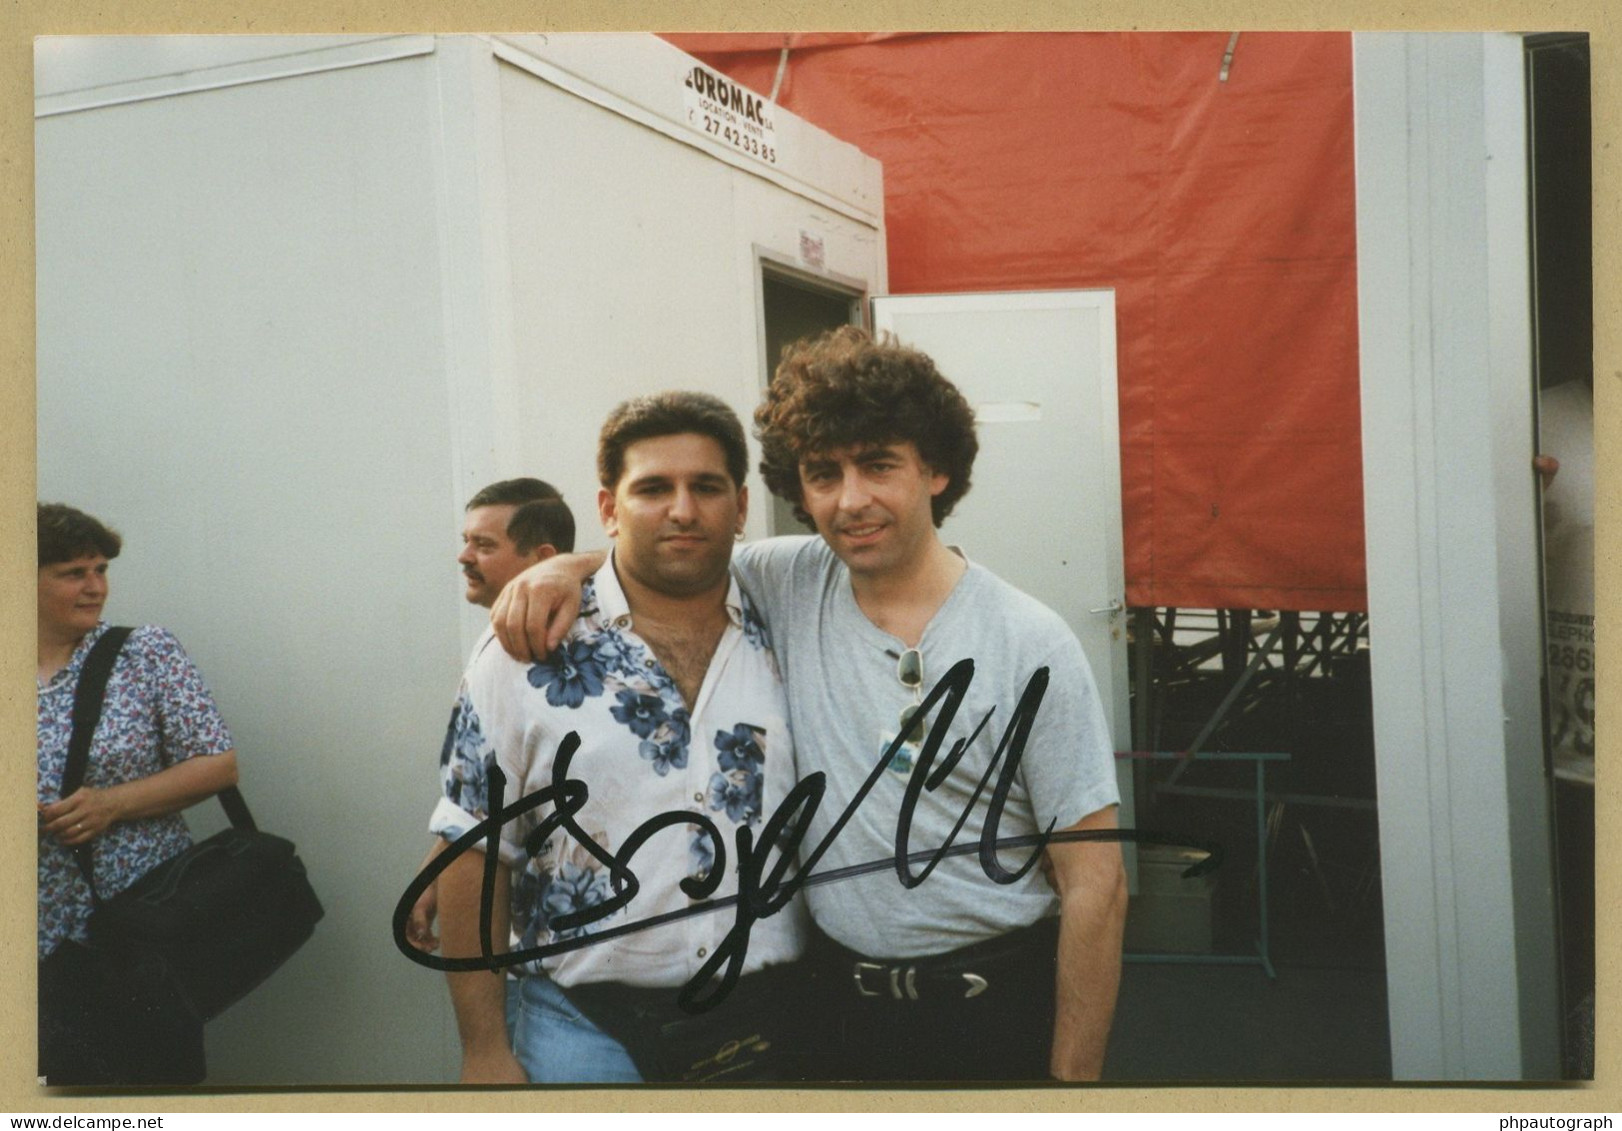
{"x":1112,"y":608}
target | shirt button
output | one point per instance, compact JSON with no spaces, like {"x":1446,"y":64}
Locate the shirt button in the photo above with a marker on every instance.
{"x":648,"y":663}
{"x":702,"y":951}
{"x":621,"y":621}
{"x":699,"y":797}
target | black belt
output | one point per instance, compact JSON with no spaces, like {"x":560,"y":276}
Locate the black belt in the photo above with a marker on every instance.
{"x":748,"y":1036}
{"x":1020,"y":958}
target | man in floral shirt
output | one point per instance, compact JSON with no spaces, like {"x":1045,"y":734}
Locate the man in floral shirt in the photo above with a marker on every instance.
{"x":667,"y":681}
{"x":976,"y":966}
{"x":510,"y":525}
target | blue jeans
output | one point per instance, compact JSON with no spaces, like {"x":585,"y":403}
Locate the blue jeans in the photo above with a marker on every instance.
{"x":556,"y":1044}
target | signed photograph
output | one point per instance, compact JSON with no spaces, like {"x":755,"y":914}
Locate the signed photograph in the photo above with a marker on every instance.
{"x":831,"y":559}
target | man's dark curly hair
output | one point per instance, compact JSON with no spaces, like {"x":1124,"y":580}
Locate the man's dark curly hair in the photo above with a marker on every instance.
{"x":844,"y":388}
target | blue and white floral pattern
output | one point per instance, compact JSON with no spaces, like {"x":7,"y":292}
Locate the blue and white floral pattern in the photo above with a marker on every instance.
{"x":740,"y":750}
{"x":644,"y":714}
{"x":528,"y":915}
{"x":664,"y":755}
{"x":603,"y":682}
{"x":754,"y":628}
{"x":737,"y":794}
{"x":570,"y":674}
{"x":576,"y":887}
{"x":736,"y":788}
{"x":700,"y":855}
{"x":465,"y":762}
{"x":625,"y":657}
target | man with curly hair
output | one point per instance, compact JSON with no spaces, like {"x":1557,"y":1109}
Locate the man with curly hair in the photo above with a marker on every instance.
{"x":981,"y":970}
{"x":663,"y":699}
{"x":999,"y":980}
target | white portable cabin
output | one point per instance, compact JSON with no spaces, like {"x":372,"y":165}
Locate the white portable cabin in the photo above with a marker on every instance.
{"x":299,"y":298}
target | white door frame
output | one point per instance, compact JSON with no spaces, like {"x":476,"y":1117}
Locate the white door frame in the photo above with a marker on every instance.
{"x":1451,"y":527}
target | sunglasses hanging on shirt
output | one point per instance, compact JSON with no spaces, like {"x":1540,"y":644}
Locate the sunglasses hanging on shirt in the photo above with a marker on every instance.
{"x":910,"y":671}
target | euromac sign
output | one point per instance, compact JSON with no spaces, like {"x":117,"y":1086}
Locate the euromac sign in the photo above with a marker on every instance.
{"x":737,"y":117}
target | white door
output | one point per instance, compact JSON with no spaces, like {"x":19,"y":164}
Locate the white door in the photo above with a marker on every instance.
{"x":1044,"y":511}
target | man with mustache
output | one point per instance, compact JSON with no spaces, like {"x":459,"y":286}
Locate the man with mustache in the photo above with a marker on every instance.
{"x":667,"y":681}
{"x":960,"y":978}
{"x":510,"y":525}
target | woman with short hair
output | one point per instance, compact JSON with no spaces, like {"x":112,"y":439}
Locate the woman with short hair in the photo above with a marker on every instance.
{"x":160,"y":747}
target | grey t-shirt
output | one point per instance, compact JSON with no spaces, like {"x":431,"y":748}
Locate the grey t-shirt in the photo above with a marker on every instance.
{"x":845,"y":700}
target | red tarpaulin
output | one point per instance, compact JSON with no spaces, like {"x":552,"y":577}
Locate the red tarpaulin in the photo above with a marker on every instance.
{"x":1220,"y":211}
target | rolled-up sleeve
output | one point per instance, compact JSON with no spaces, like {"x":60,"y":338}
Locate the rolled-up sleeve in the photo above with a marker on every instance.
{"x":466,"y":759}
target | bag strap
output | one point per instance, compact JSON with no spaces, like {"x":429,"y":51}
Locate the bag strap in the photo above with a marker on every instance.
{"x":88,"y":699}
{"x":236,"y":809}
{"x":87,"y":702}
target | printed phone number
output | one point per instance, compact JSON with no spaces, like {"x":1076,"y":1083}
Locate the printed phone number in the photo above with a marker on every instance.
{"x":739,"y":140}
{"x":1565,"y":656}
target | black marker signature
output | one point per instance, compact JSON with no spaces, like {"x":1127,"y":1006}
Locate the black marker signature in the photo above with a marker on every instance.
{"x":762,"y":895}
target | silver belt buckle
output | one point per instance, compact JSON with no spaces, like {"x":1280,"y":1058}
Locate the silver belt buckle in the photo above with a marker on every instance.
{"x":860,"y":969}
{"x":896,"y":975}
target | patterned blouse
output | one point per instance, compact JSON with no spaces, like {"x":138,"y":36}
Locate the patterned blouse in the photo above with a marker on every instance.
{"x":157,"y":712}
{"x":643,"y":752}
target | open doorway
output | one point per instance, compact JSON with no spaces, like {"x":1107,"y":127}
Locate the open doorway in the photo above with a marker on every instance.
{"x":793,"y":306}
{"x":1558,"y":115}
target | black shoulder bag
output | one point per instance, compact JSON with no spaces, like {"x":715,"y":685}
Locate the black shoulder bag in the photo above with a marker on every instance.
{"x":218,"y":919}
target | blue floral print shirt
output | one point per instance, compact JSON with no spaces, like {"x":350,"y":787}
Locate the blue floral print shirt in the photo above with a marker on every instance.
{"x":643,"y":751}
{"x":157,"y":712}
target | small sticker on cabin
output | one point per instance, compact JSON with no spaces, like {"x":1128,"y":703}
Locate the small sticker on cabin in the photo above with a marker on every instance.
{"x":812,"y":253}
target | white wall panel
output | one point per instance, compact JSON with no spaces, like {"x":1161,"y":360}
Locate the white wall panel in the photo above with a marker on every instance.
{"x":241,"y":367}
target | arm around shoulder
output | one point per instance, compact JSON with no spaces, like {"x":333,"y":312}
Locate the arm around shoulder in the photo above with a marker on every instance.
{"x":772,"y":569}
{"x":535,"y":609}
